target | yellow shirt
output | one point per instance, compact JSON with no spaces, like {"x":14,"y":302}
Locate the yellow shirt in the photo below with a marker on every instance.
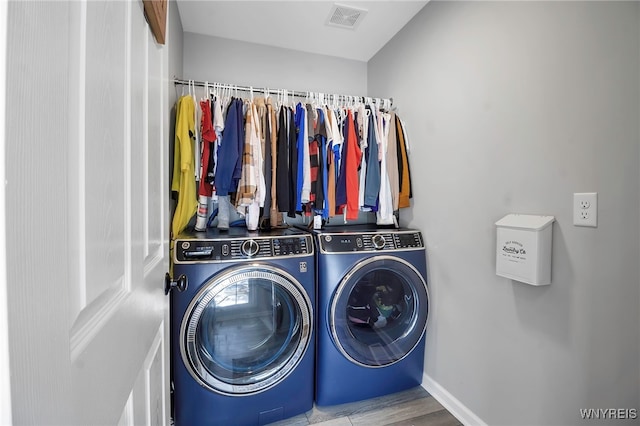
{"x":184,"y":181}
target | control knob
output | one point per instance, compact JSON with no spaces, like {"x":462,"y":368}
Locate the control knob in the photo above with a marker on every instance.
{"x":378,"y":241}
{"x":250,"y":248}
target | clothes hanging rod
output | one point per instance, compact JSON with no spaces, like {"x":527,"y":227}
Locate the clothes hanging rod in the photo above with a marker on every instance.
{"x":294,"y":93}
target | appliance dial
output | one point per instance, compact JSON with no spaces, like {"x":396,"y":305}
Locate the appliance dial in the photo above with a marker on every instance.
{"x":250,"y":248}
{"x":378,"y":241}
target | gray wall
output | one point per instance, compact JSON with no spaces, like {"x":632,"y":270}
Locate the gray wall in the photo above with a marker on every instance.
{"x":511,"y":108}
{"x":235,"y":62}
{"x":216,"y":59}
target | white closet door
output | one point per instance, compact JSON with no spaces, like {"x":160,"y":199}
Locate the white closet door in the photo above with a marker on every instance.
{"x":87,"y":207}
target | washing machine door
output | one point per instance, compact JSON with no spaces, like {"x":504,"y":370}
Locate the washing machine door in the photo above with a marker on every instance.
{"x":246,"y":330}
{"x":379,"y":311}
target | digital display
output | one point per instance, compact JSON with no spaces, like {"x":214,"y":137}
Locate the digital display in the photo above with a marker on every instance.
{"x":409,"y":240}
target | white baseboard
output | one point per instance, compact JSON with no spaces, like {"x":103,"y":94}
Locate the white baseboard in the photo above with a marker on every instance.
{"x":451,"y":403}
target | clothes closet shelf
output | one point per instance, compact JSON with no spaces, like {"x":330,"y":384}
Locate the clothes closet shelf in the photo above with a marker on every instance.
{"x":386,"y":101}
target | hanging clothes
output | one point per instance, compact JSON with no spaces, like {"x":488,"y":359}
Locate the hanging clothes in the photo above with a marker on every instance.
{"x":392,"y":162}
{"x":319,"y":189}
{"x":302,"y":145}
{"x":293,"y":162}
{"x":282,"y":161}
{"x":305,"y":196}
{"x":251,"y":187}
{"x":196,"y":133}
{"x":273,"y":139}
{"x":229,"y":171}
{"x":341,"y":178}
{"x":372,"y":178}
{"x":331,"y":169}
{"x":403,"y":162}
{"x":384,"y":215}
{"x":209,"y":142}
{"x":314,"y":160}
{"x":287,"y":162}
{"x":333,"y":156}
{"x":229,"y":167}
{"x":294,"y":159}
{"x":348,"y":186}
{"x":338,"y":136}
{"x":363,"y":128}
{"x":317,"y":146}
{"x":218,"y":126}
{"x":183,"y":181}
{"x":354,"y":157}
{"x":205,"y":188}
{"x":265,"y":146}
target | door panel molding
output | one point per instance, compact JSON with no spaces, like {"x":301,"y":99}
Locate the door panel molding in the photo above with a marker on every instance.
{"x":155,"y":381}
{"x":93,"y":318}
{"x":153,"y":260}
{"x":76,"y":181}
{"x":145,"y":149}
{"x":93,"y":311}
{"x":127,"y":419}
{"x":154,"y":194}
{"x":128,"y":181}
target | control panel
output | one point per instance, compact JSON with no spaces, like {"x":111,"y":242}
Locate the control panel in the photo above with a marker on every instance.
{"x":200,"y":250}
{"x":370,"y":241}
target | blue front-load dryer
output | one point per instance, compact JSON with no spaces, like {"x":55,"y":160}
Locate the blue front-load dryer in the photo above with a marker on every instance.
{"x":373,"y":307}
{"x":242,"y":332}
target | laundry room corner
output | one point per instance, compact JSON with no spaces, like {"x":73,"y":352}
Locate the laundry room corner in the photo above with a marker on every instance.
{"x":512,"y":108}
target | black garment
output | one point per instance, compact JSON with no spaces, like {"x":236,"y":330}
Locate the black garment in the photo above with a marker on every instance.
{"x":287,"y":163}
{"x":320,"y":138}
{"x":293,"y":163}
{"x":282,"y":171}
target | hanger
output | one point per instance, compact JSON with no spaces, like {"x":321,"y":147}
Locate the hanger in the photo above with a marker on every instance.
{"x":192,"y":90}
{"x":278,"y":99}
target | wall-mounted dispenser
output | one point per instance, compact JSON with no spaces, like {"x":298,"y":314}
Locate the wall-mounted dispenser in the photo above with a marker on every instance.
{"x":523,"y":248}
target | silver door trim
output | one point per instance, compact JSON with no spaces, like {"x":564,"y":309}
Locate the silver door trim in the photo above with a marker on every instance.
{"x":338,"y":294}
{"x":194,"y":311}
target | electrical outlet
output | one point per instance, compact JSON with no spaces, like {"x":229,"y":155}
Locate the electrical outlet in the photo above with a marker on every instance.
{"x":585,"y":209}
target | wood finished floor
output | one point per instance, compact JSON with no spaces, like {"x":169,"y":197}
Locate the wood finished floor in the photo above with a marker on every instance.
{"x":413,"y":407}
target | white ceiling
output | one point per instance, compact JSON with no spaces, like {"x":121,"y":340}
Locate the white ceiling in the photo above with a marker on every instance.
{"x":299,"y":25}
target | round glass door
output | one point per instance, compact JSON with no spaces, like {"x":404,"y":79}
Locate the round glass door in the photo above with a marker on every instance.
{"x":379,"y":311}
{"x":246,"y":330}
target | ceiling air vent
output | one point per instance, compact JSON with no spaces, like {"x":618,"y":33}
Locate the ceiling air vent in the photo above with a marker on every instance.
{"x":343,"y":16}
